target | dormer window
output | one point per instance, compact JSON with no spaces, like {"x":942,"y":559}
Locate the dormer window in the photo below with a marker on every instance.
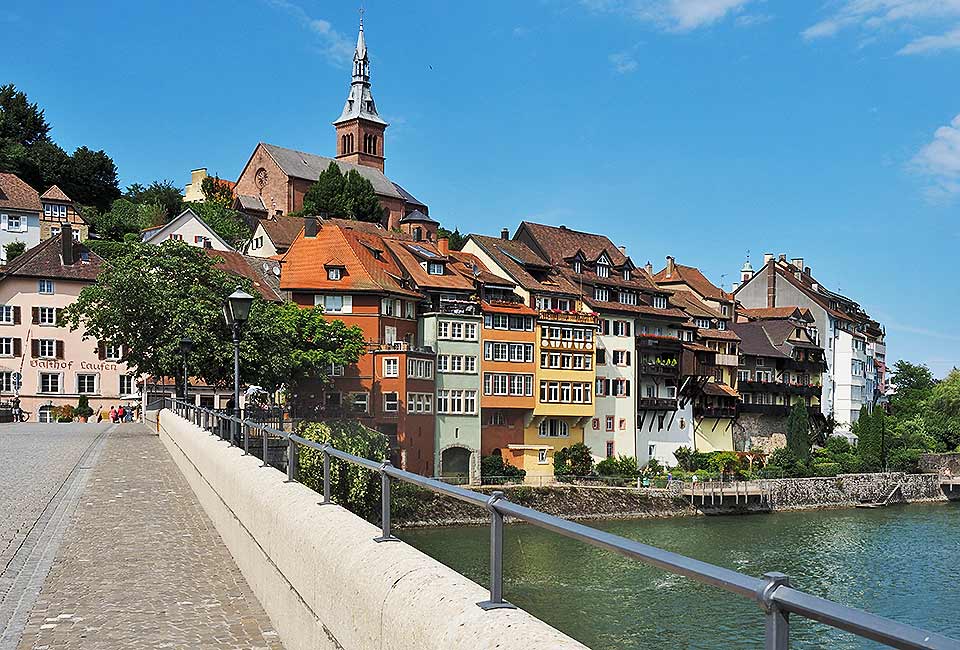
{"x":626,"y":274}
{"x":434,"y":268}
{"x":577,"y":266}
{"x":702,"y":323}
{"x":722,"y":325}
{"x":334,"y":273}
{"x":603,"y":270}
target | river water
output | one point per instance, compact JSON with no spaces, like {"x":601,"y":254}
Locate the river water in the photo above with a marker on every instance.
{"x":900,"y":562}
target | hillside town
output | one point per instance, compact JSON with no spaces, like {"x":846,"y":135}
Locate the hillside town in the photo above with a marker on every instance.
{"x":518,"y":342}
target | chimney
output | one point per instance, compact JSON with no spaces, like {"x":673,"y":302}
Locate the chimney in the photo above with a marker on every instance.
{"x":782,"y":258}
{"x":504,"y":234}
{"x":671,"y":266}
{"x":310,"y":227}
{"x":66,"y":244}
{"x":771,"y":285}
{"x":734,"y":287}
{"x":649,"y":267}
{"x":767,"y":257}
{"x":806,"y":270}
{"x":443,"y":245}
{"x":797,"y":262}
{"x":623,"y":250}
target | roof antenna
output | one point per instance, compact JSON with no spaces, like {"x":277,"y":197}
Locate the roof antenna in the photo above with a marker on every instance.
{"x":722,"y":276}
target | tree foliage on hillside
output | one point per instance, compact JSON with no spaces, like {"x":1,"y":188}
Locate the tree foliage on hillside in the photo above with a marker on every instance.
{"x":163,"y":193}
{"x":88,"y":176}
{"x":346,"y":196}
{"x":225,"y":221}
{"x":457,"y":239}
{"x":216,"y":190}
{"x":149,"y":297}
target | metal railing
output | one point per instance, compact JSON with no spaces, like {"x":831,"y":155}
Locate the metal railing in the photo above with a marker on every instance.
{"x":772,"y":592}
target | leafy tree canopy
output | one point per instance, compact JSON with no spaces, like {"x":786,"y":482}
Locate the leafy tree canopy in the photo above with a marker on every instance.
{"x":457,"y":239}
{"x":216,"y":190}
{"x":346,"y":196}
{"x":14,"y":249}
{"x":162,"y":193}
{"x":125,"y":218}
{"x":798,"y":432}
{"x":20,"y":121}
{"x":149,"y":297}
{"x":225,"y":221}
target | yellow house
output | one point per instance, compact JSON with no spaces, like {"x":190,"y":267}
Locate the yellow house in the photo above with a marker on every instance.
{"x":564,"y":380}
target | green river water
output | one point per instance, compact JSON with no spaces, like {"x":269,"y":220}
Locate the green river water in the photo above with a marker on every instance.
{"x":901,"y":562}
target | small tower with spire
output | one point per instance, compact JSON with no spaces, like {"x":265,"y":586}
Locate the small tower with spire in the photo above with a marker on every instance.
{"x":746,"y":272}
{"x":359,"y":127}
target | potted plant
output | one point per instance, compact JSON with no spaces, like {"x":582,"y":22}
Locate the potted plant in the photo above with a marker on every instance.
{"x":83,"y":410}
{"x":64,"y":413}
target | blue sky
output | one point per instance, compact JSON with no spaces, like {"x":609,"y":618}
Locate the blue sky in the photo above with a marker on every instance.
{"x":695,"y":128}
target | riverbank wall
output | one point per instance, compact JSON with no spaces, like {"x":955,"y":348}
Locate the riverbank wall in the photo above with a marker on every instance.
{"x":417,"y":508}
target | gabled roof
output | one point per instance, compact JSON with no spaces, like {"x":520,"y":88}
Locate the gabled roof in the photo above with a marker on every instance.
{"x":308,"y":166}
{"x":694,"y":307}
{"x":45,"y":261}
{"x":15,"y":194}
{"x":150,"y":234}
{"x":715,"y":389}
{"x":768,"y":313}
{"x":409,"y":260}
{"x":305,"y":260}
{"x":56,"y":194}
{"x":559,"y":243}
{"x":282,"y":230}
{"x":519,"y":262}
{"x":253,"y":268}
{"x":694,"y":279}
{"x":755,"y":341}
{"x":470,"y":266}
{"x":718,"y":335}
{"x":252,"y":203}
{"x":810,"y":287}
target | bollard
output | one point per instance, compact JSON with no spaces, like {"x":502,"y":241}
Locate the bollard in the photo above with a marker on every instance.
{"x":246,"y":439}
{"x":385,"y":535}
{"x":291,"y":459}
{"x":263,"y":447}
{"x":326,"y":473}
{"x":496,"y":557}
{"x":777,"y":621}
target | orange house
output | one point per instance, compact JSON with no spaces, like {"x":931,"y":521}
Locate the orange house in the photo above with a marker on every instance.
{"x":348,"y":272}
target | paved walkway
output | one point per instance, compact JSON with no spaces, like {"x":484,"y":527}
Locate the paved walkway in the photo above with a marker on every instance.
{"x":141,"y":565}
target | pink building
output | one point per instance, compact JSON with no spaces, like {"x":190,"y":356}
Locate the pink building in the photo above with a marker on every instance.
{"x":56,"y":365}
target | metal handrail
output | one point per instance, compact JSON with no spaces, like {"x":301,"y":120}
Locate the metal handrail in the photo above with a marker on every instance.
{"x":772,"y":593}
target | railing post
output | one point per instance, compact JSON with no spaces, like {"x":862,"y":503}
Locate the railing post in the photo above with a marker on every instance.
{"x":385,"y":535}
{"x":777,"y":621}
{"x":496,"y":557}
{"x":263,"y":446}
{"x":291,"y":459}
{"x":246,"y":438}
{"x":326,"y":474}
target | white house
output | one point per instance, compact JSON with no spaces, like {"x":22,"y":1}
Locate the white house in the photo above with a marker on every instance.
{"x":188,"y":228}
{"x":20,"y":210}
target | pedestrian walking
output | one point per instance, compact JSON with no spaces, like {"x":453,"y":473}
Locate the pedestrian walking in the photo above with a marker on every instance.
{"x":121,"y":413}
{"x":113,"y":414}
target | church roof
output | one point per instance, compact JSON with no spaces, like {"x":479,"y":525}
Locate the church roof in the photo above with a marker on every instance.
{"x":308,"y":166}
{"x":360,"y":104}
{"x":417,"y":217}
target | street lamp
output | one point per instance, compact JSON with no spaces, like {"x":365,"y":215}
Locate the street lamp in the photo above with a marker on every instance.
{"x":236,"y":311}
{"x":186,"y":347}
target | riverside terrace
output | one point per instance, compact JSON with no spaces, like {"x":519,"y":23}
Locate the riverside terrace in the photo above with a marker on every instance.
{"x":774,"y":595}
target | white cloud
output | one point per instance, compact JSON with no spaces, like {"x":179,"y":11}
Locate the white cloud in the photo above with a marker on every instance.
{"x":332,"y":44}
{"x":673,"y":15}
{"x":623,"y":62}
{"x":880,"y":16}
{"x":939,"y":160}
{"x":933,"y":44}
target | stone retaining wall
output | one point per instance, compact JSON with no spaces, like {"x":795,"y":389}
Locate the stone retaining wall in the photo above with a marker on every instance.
{"x":320,"y":576}
{"x":852,"y":489}
{"x":940,"y":463}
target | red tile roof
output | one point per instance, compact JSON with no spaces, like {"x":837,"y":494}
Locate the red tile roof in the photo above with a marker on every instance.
{"x":15,"y":194}
{"x":562,"y":243}
{"x":718,"y":335}
{"x":282,"y":230}
{"x":693,"y":278}
{"x":719,"y":390}
{"x":54,"y":193}
{"x":522,"y":264}
{"x":409,"y":260}
{"x":238,"y":264}
{"x":45,"y":261}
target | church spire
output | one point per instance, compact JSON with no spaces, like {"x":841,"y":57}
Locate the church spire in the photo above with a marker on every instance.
{"x":360,"y":128}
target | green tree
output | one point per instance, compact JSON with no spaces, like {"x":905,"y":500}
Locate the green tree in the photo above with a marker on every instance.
{"x":457,"y":239}
{"x":942,"y":416}
{"x":353,"y":487}
{"x":224,"y":221}
{"x":798,"y":432}
{"x":14,"y":250}
{"x":867,"y":430}
{"x":162,"y":193}
{"x":216,"y":190}
{"x":149,"y":297}
{"x":91,"y":178}
{"x":575,"y":460}
{"x":914,"y":386}
{"x":495,"y":471}
{"x":124,"y":217}
{"x":20,"y":121}
{"x":347,"y":196}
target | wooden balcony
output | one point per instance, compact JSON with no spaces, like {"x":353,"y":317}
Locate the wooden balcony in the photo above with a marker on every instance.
{"x":658,"y":369}
{"x":656,"y":404}
{"x":715,"y":411}
{"x":576,"y":317}
{"x":658,"y":344}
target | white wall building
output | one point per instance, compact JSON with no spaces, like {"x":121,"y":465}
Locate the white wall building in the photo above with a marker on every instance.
{"x":188,"y":228}
{"x":19,"y":213}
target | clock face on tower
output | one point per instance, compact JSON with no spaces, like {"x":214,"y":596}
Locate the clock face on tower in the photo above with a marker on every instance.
{"x":261,"y":178}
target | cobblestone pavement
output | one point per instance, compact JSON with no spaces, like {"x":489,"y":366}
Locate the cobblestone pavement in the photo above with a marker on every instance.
{"x":142,"y":566}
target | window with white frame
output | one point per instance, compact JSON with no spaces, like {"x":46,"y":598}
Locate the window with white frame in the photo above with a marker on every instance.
{"x":128,"y":385}
{"x":391,"y":367}
{"x":47,"y":315}
{"x":387,"y":307}
{"x":112,"y":352}
{"x":577,"y":266}
{"x":6,"y":314}
{"x":542,"y":456}
{"x":419,"y":403}
{"x":46,"y":348}
{"x":660,"y":302}
{"x":333,"y":304}
{"x":721,"y":325}
{"x":419,"y":369}
{"x":335,"y":370}
{"x":603,"y":270}
{"x":409,"y":309}
{"x":627,"y":297}
{"x":50,"y":382}
{"x":14,"y":222}
{"x":601,"y":293}
{"x":702,"y":323}
{"x":743,"y":375}
{"x":334,"y":273}
{"x":435,"y":268}
{"x":391,"y":403}
{"x":357,"y":402}
{"x":45,"y":287}
{"x":86,"y":383}
{"x":6,"y":346}
{"x":626,"y":274}
{"x":621,"y":328}
{"x":457,"y":402}
{"x":6,"y":382}
{"x":554,"y":428}
{"x":621,"y":357}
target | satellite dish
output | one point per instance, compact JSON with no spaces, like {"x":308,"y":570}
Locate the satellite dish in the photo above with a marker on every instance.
{"x":266,"y":266}
{"x":276,"y":271}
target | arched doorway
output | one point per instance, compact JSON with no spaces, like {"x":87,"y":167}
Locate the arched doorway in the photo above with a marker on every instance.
{"x":455,"y":464}
{"x":45,"y":414}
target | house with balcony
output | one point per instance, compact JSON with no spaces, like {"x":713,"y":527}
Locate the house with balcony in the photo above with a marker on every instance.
{"x":841,"y":327}
{"x":20,"y":212}
{"x":351,"y":273}
{"x":780,"y":366}
{"x":564,"y":351}
{"x":55,"y":365}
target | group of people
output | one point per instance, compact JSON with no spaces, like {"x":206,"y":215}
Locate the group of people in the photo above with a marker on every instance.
{"x":121,"y":414}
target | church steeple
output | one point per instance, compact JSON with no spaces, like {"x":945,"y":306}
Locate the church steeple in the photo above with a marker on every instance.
{"x":360,"y":128}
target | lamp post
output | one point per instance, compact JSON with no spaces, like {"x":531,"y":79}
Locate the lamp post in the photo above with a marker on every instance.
{"x":186,"y":347}
{"x":236,"y":311}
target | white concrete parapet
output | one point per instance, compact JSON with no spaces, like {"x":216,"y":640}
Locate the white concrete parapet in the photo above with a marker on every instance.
{"x":320,"y":576}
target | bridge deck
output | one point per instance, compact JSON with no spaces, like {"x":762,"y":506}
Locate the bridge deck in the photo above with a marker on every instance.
{"x":138,"y":564}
